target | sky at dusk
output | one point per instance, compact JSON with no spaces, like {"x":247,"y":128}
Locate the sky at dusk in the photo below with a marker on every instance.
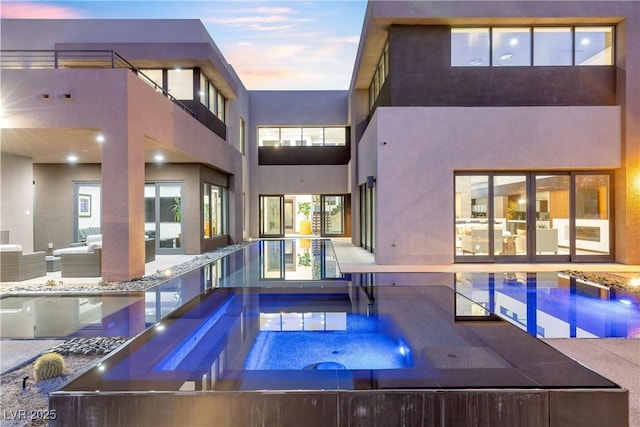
{"x":286,"y":44}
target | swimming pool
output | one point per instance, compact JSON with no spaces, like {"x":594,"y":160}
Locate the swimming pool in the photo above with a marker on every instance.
{"x":554,"y":305}
{"x":355,"y":349}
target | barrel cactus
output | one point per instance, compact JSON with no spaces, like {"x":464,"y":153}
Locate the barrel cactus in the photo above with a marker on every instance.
{"x":49,"y":365}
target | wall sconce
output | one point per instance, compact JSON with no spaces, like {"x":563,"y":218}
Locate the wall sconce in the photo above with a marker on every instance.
{"x":370,"y":181}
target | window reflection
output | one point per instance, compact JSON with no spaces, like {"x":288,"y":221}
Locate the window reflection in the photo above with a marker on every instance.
{"x":470,"y":47}
{"x":552,"y":46}
{"x":594,"y":45}
{"x":301,"y":136}
{"x":511,"y":47}
{"x":180,"y":83}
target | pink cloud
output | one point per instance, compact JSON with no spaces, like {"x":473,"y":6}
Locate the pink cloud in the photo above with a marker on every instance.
{"x":36,"y":11}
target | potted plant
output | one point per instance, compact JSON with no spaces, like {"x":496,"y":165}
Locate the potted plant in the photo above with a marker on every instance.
{"x":305,"y":225}
{"x":176,"y":209}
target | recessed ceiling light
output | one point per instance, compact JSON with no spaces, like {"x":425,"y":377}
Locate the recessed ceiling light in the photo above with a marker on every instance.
{"x":159,"y":157}
{"x":513,"y":41}
{"x":506,"y":56}
{"x":584,"y":41}
{"x":100,"y":138}
{"x":72,"y":158}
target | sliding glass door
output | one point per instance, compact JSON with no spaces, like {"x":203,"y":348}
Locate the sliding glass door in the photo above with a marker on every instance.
{"x":533,"y":217}
{"x":272,"y":216}
{"x":163,"y":216}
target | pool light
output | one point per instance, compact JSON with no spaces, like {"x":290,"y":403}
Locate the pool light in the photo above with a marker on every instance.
{"x":168,"y":272}
{"x":160,"y":326}
{"x":625,"y":301}
{"x":635,"y":282}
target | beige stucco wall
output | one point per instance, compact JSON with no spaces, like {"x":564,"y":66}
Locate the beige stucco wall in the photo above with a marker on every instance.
{"x":16,"y":177}
{"x":414,"y":170}
{"x":54,"y":201}
{"x":325,"y":179}
{"x":128,"y":112}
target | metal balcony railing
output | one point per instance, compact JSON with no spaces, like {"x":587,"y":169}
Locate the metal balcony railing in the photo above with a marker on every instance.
{"x":79,"y":59}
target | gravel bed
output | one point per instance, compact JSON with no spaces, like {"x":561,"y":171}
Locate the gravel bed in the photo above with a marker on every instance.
{"x":610,"y":280}
{"x":89,"y":346}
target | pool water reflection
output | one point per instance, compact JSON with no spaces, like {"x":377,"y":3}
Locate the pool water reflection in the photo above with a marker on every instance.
{"x":554,"y":305}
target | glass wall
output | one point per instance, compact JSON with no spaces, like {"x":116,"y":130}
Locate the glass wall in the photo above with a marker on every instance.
{"x":535,"y":216}
{"x":511,"y":46}
{"x":302,"y":136}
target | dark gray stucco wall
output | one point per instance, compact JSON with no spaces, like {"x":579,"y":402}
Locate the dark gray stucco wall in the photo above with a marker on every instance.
{"x":421,"y":75}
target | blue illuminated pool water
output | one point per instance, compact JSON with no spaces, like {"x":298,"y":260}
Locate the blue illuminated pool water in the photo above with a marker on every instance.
{"x":554,"y":305}
{"x":364,"y":344}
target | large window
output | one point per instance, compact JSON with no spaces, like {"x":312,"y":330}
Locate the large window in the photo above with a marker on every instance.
{"x":180,"y":83}
{"x":553,"y":46}
{"x":301,"y":136}
{"x":214,"y":210}
{"x":533,"y":216}
{"x":512,"y":46}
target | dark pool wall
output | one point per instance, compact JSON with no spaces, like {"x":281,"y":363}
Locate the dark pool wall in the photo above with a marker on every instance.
{"x":490,"y":408}
{"x":420,"y":74}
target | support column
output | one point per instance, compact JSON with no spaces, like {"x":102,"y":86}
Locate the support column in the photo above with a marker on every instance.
{"x":123,"y":173}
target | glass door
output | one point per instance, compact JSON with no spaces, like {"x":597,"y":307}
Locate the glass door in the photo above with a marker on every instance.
{"x":533,"y":217}
{"x":333,"y":215}
{"x":272,"y":216}
{"x":163,"y":216}
{"x":593,"y":225}
{"x":511,"y":201}
{"x":552,"y":212}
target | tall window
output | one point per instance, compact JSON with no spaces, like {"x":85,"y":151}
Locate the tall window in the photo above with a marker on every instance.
{"x":380,"y":75}
{"x":212,"y":98}
{"x":242,"y":138}
{"x":215,"y":205}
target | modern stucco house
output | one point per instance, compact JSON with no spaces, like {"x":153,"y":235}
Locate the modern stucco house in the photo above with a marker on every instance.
{"x":472,"y":131}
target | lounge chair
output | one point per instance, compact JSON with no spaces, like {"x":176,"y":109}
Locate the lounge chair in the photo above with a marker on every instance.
{"x":16,"y":266}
